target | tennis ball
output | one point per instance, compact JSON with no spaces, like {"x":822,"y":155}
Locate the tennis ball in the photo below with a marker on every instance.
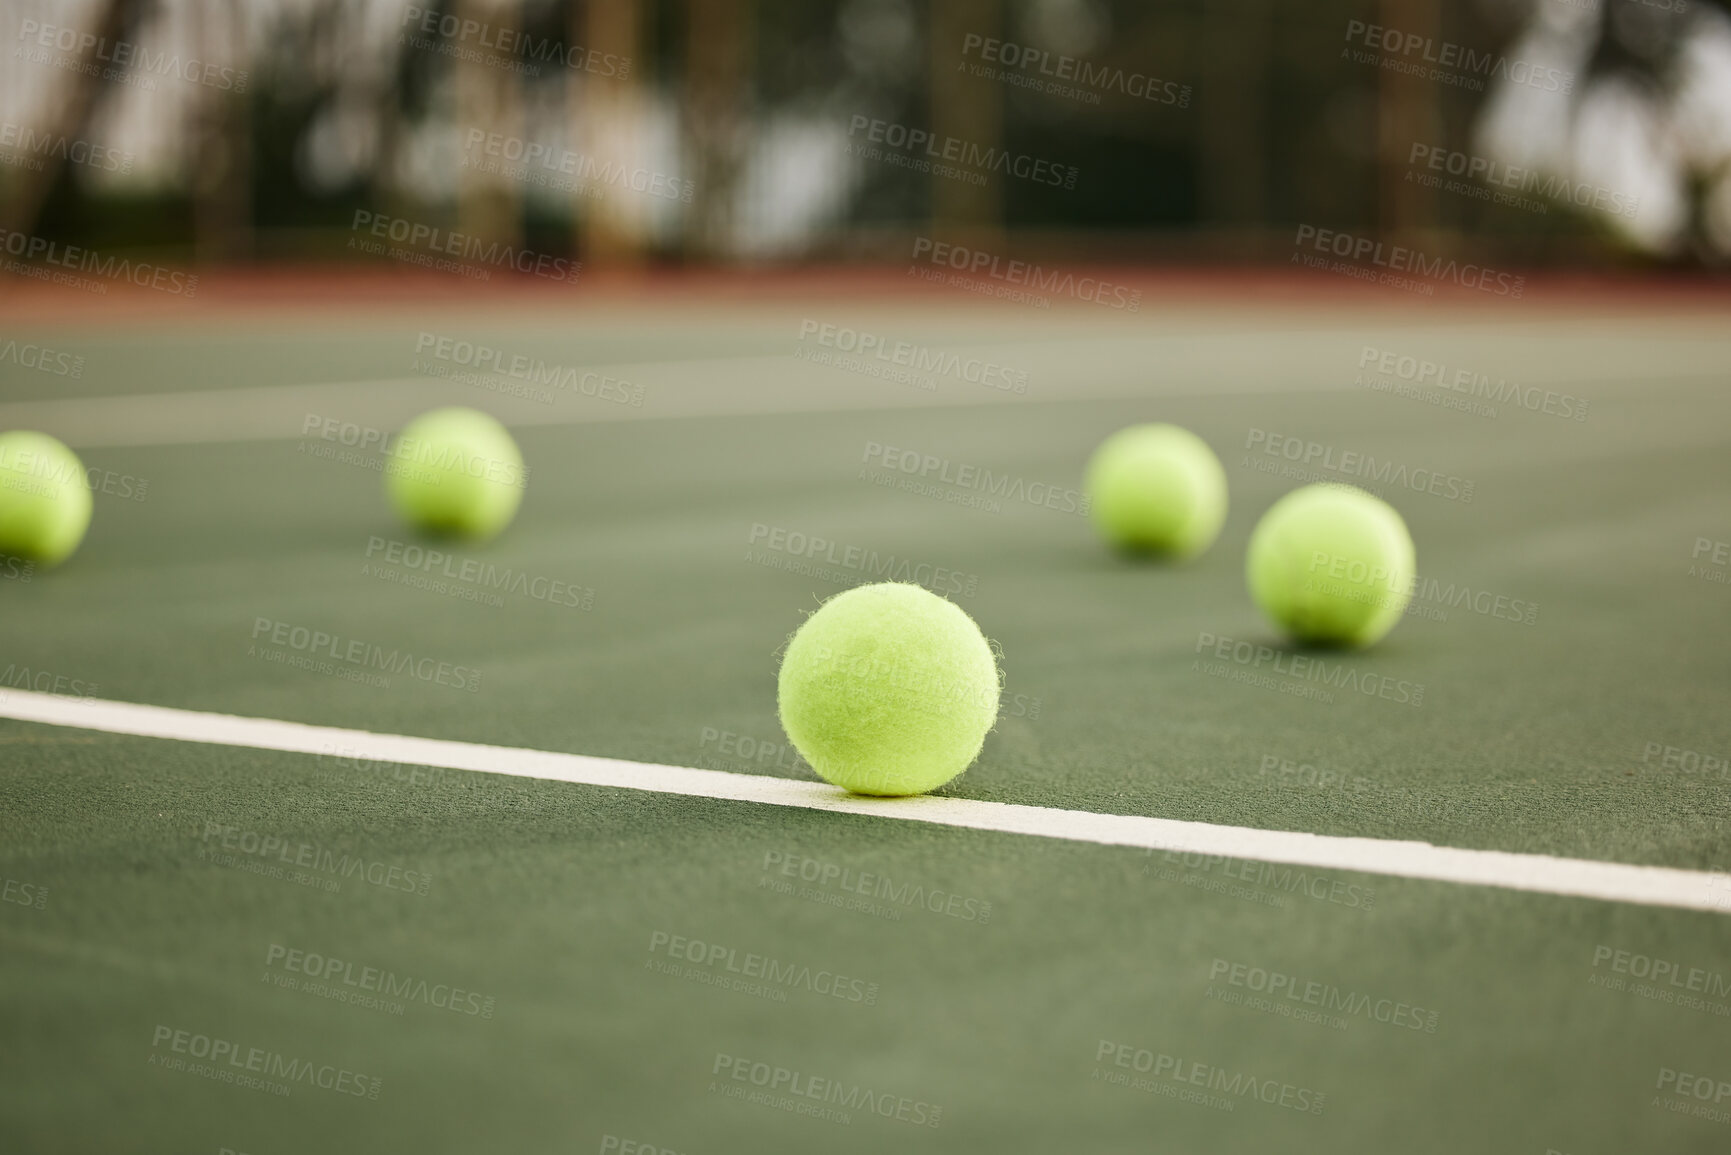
{"x":456,"y":471}
{"x":888,"y":689}
{"x":1331,"y":565}
{"x":44,"y":498}
{"x":1157,"y":489}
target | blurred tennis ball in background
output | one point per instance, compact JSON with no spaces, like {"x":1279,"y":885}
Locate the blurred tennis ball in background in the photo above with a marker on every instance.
{"x":888,"y":689}
{"x":1157,"y":489}
{"x":1332,"y":565}
{"x":456,"y":471}
{"x":44,"y":498}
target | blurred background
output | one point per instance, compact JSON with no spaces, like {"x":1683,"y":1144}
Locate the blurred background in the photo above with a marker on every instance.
{"x":1576,"y":134}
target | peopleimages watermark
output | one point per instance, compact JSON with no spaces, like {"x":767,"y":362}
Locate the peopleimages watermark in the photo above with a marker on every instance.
{"x":1322,"y":779}
{"x":1267,"y":883}
{"x":122,"y":60}
{"x":744,"y":753}
{"x":730,"y":750}
{"x":1719,"y":889}
{"x":1301,"y":672}
{"x":783,"y":868}
{"x":1503,"y":183}
{"x":450,"y":251}
{"x":1695,"y":1095}
{"x":56,"y":257}
{"x":417,"y":458}
{"x":466,"y":578}
{"x":1300,"y":776}
{"x":801,"y":1094}
{"x":922,"y":150}
{"x":1716,"y":553}
{"x":501,"y":45}
{"x":43,"y":474}
{"x":43,"y":681}
{"x":228,"y":845}
{"x":29,"y":355}
{"x":1388,"y":260}
{"x":880,"y":356}
{"x":367,"y":987}
{"x":1292,"y":997}
{"x":971,"y":485}
{"x":255,"y":1068}
{"x":530,"y":162}
{"x":1420,"y":596}
{"x":1012,"y":279}
{"x":812,"y":556}
{"x":26,"y":148}
{"x":26,"y":894}
{"x":1677,"y":6}
{"x":1662,"y":980}
{"x":920,"y":689}
{"x":1070,"y":77}
{"x":108,"y":483}
{"x":1467,"y":390}
{"x":323,"y":652}
{"x":346,"y":757}
{"x":715,"y":964}
{"x":614,"y":1145}
{"x":1193,"y":1081}
{"x":532,"y":378}
{"x":1296,"y":458}
{"x":1689,"y":763}
{"x":1446,"y":61}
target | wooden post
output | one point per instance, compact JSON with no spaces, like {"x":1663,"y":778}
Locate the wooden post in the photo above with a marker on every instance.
{"x":717,"y":70}
{"x":1410,"y":111}
{"x":970,"y":109}
{"x":82,"y":90}
{"x":222,"y":183}
{"x":607,"y":111}
{"x":1230,"y":122}
{"x":489,"y":98}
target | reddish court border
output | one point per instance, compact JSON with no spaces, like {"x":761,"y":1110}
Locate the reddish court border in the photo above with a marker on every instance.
{"x":256,"y":291}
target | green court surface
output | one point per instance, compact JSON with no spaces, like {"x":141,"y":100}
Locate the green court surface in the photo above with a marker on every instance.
{"x":516,"y":961}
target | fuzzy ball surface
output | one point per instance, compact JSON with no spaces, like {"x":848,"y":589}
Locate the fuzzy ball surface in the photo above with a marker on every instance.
{"x":888,"y":689}
{"x":44,"y":498}
{"x":1157,"y":489}
{"x":1332,"y":565}
{"x":456,"y":472}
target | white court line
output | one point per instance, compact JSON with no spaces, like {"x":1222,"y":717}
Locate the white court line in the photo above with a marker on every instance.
{"x":1609,"y":881}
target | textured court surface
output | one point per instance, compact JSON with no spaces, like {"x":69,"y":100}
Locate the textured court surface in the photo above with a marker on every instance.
{"x":1559,"y":690}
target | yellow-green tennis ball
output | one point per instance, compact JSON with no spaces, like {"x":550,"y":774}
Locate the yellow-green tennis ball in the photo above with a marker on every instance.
{"x":1157,"y":489}
{"x":888,"y":689}
{"x":456,"y":471}
{"x":1332,"y":565}
{"x":44,"y":498}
